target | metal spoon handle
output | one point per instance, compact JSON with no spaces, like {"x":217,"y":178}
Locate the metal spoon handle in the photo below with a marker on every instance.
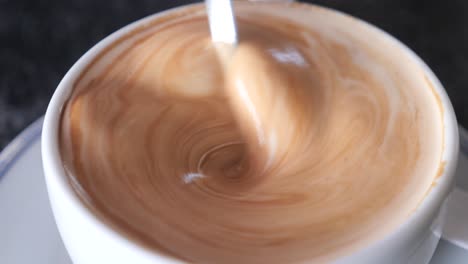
{"x":222,"y":21}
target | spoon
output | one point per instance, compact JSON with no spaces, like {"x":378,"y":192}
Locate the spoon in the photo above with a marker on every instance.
{"x":222,"y":21}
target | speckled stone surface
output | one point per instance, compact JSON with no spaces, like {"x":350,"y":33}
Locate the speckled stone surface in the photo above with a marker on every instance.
{"x":40,"y":40}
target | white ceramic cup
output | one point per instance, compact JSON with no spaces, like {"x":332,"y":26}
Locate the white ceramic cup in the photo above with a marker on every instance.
{"x":89,"y":240}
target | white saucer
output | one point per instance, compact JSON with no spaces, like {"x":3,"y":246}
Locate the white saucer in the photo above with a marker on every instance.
{"x":27,"y":229}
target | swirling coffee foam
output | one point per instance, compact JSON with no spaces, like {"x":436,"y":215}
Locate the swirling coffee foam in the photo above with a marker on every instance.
{"x":317,"y":137}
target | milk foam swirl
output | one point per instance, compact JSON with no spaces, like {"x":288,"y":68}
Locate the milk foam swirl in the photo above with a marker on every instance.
{"x":155,"y":145}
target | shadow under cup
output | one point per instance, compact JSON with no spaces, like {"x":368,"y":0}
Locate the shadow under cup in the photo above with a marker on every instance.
{"x":90,"y":238}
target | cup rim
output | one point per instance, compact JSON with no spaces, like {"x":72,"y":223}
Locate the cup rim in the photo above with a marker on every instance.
{"x":55,"y":172}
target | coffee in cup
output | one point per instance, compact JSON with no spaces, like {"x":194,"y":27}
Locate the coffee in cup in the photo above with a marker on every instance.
{"x":156,"y":144}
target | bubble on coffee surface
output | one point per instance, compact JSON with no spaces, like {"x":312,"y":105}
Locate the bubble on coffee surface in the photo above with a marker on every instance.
{"x":155,"y":147}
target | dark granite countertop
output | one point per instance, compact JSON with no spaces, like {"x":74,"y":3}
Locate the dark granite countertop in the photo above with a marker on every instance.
{"x":40,"y":40}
